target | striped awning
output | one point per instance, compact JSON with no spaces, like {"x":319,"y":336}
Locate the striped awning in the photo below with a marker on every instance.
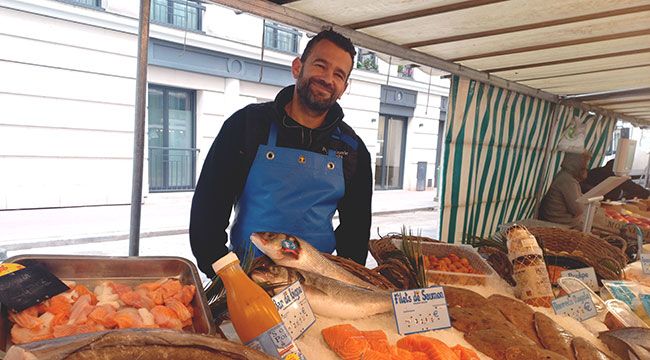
{"x":595,"y":52}
{"x":501,"y":154}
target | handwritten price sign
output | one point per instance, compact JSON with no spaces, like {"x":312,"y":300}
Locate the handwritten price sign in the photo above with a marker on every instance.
{"x":577,"y":305}
{"x":420,"y":310}
{"x":294,"y":310}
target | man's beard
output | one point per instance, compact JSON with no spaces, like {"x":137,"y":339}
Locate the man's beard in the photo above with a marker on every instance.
{"x":309,"y":100}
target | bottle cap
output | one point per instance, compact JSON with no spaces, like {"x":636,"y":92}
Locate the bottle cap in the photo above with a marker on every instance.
{"x":230,"y":258}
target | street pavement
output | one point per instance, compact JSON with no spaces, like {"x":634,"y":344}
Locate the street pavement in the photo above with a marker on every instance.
{"x":423,"y":222}
{"x":104,"y":230}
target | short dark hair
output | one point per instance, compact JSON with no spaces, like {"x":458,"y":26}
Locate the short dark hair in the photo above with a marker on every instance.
{"x":331,"y":35}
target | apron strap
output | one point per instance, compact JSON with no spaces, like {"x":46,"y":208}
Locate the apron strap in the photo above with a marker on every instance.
{"x":273,"y":134}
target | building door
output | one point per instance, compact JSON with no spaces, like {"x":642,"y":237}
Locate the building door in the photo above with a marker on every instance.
{"x":391,"y":138}
{"x":172,"y":149}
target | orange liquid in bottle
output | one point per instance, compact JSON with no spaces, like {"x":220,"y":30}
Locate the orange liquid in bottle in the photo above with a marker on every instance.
{"x":254,"y":315}
{"x":251,"y":309}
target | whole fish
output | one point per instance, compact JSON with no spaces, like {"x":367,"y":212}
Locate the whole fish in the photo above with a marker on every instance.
{"x":293,"y":252}
{"x":628,"y":343}
{"x":327,"y":297}
{"x":584,"y":350}
{"x":553,"y":336}
{"x":127,"y":344}
{"x":517,"y":312}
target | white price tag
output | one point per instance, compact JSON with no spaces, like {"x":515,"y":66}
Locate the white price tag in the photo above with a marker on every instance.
{"x":294,"y":309}
{"x":645,"y":263}
{"x":420,"y":310}
{"x":577,"y":305}
{"x":586,"y":275}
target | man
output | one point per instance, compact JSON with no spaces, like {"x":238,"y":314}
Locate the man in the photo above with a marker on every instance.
{"x":288,"y":165}
{"x":627,"y":190}
{"x":559,"y":205}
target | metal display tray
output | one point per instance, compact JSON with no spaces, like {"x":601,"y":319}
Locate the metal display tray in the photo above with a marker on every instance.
{"x":130,"y":270}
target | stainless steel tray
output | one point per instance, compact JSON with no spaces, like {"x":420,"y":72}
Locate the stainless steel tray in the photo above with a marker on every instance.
{"x":91,"y":270}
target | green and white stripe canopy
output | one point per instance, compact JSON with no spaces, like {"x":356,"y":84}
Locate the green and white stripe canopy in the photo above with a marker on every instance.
{"x":501,"y":155}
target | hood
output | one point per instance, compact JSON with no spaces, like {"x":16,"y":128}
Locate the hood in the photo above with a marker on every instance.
{"x":576,"y":164}
{"x":309,"y":138}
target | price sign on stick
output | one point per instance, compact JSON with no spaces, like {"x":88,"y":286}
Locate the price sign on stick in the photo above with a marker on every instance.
{"x":294,"y":309}
{"x":420,"y":310}
{"x":586,"y":275}
{"x":645,"y":263}
{"x":577,"y":305}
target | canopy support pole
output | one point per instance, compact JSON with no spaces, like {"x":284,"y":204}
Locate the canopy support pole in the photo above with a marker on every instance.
{"x":138,"y":130}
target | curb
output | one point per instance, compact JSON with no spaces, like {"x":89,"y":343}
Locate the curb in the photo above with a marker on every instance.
{"x":23,"y":245}
{"x":89,"y":240}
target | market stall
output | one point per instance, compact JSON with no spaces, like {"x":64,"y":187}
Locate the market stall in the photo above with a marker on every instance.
{"x":499,"y":126}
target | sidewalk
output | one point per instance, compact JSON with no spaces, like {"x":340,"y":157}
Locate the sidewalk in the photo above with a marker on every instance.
{"x":162,"y":214}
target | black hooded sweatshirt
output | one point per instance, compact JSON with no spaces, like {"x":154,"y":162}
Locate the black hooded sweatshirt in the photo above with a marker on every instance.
{"x":229,"y":160}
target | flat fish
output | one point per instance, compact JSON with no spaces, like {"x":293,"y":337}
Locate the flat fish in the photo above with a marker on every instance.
{"x":584,"y":350}
{"x":463,"y":298}
{"x":624,"y":341}
{"x":471,"y":319}
{"x":128,"y":344}
{"x":517,"y":312}
{"x":553,"y":336}
{"x":531,"y":352}
{"x":495,"y":342}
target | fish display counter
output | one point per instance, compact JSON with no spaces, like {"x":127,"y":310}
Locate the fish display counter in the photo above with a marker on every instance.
{"x":467,"y":308}
{"x":486,"y":320}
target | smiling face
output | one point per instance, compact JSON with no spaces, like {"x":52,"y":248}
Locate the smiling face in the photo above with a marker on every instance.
{"x":322,"y":78}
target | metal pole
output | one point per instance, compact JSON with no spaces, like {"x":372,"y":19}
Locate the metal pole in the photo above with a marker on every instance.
{"x":262,"y":55}
{"x":138,"y":129}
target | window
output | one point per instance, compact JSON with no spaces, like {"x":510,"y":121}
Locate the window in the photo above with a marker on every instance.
{"x":172,"y":152}
{"x":184,"y":14}
{"x":367,"y":60}
{"x":391,"y":137}
{"x":88,"y":3}
{"x":444,"y":104}
{"x":620,"y":132}
{"x":278,"y":37}
{"x":406,"y":71}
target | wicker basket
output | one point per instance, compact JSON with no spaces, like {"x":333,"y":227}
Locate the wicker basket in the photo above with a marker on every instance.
{"x":393,"y":263}
{"x":627,"y":245}
{"x":606,"y":259}
{"x":371,"y":276}
{"x":499,"y":261}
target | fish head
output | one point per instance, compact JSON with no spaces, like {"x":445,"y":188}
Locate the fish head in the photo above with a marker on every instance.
{"x":277,"y":246}
{"x":274,"y":277}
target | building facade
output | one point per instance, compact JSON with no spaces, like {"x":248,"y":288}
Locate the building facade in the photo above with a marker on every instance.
{"x":67,"y":95}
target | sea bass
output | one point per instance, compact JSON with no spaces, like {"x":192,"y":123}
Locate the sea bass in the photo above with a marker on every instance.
{"x":293,"y":252}
{"x":327,"y":297}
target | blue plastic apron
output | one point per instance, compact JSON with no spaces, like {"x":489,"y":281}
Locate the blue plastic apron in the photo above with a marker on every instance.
{"x":289,"y":191}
